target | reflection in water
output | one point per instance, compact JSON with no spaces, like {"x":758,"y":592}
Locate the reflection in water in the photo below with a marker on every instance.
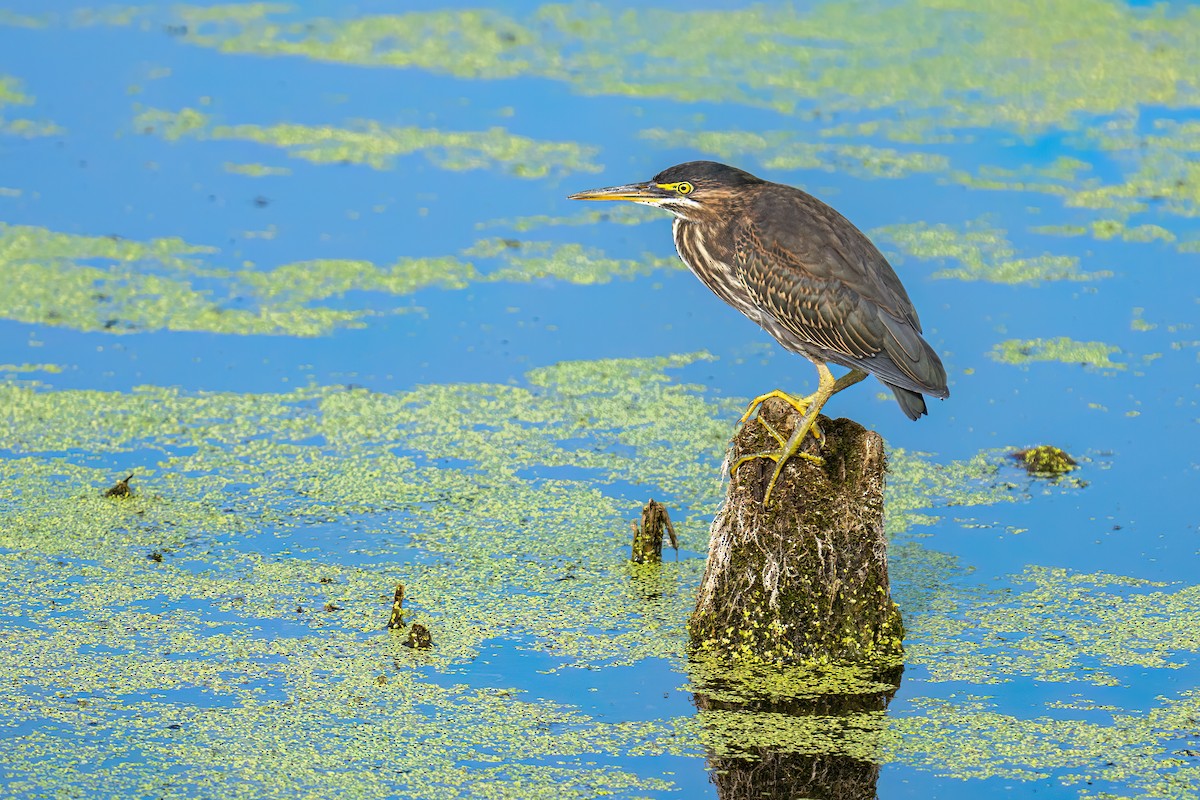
{"x":834,"y":763}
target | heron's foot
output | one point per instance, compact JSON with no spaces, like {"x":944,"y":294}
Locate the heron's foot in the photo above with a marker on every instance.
{"x":801,"y":404}
{"x":788,"y":448}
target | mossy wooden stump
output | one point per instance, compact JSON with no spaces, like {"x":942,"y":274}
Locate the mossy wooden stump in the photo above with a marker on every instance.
{"x":648,"y":536}
{"x":806,"y":578}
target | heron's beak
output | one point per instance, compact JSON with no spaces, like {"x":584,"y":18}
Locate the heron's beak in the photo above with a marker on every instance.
{"x":649,"y":193}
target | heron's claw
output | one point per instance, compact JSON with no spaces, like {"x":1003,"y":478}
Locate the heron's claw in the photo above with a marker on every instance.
{"x":780,"y":458}
{"x":788,"y":447}
{"x":799,"y":403}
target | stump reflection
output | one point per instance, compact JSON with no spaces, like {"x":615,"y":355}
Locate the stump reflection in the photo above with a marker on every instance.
{"x":823,"y":747}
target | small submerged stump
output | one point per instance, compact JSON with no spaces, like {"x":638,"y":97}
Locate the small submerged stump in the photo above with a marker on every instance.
{"x":419,"y":637}
{"x":806,"y":578}
{"x":396,"y":619}
{"x":121,"y":488}
{"x":648,"y":536}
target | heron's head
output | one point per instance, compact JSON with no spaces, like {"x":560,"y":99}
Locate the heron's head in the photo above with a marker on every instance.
{"x":686,"y":190}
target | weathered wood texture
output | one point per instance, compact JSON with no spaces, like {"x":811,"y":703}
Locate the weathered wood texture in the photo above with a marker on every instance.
{"x":648,"y":536}
{"x":805,"y":578}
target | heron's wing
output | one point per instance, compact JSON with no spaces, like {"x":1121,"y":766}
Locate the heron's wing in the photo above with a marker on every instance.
{"x":827,"y":245}
{"x":823,"y":280}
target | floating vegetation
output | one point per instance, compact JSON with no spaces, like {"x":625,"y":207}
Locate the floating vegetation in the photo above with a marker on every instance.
{"x":570,"y":262}
{"x":1045,"y":460}
{"x":1062,"y":349}
{"x":949,"y":71}
{"x":118,"y":285}
{"x":50,"y":369}
{"x":983,"y":253}
{"x":255,"y":170}
{"x":151,"y":647}
{"x":377,"y":146}
{"x":485,"y":545}
{"x":1137,"y":751}
{"x":11,"y":95}
{"x":1061,"y":626}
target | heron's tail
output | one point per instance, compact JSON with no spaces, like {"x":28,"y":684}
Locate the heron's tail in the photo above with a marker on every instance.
{"x":911,"y":403}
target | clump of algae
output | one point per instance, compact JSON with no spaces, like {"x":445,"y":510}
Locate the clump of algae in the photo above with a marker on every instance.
{"x":12,"y":95}
{"x":1045,"y":460}
{"x":377,"y":145}
{"x":983,"y":253}
{"x":1062,"y":349}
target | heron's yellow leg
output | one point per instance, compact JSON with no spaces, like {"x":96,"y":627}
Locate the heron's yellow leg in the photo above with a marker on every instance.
{"x":846,"y":381}
{"x":826,"y":387}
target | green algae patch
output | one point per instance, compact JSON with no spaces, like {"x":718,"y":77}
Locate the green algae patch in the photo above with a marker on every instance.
{"x":1062,"y":349}
{"x":50,"y":369}
{"x":727,"y":733}
{"x":782,"y":151}
{"x":255,"y":170}
{"x":1137,"y":753}
{"x":925,"y":73}
{"x":1058,"y":626}
{"x":115,"y":285}
{"x":14,"y":20}
{"x":983,"y":254}
{"x":1045,"y":461}
{"x":752,"y":680}
{"x":106,"y":283}
{"x":378,"y":146}
{"x":134,"y":600}
{"x":915,"y":484}
{"x":570,"y":262}
{"x":12,"y":95}
{"x":155,"y":609}
{"x":303,"y":282}
{"x":215,"y":690}
{"x":1114,"y":229}
{"x":951,"y":66}
{"x":1160,"y":176}
{"x":619,"y":213}
{"x":171,"y":125}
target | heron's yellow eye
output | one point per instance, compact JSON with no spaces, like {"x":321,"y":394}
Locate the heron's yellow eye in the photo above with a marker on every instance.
{"x":684,"y":188}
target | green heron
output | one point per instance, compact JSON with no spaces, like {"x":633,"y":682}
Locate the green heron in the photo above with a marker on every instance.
{"x":806,"y":275}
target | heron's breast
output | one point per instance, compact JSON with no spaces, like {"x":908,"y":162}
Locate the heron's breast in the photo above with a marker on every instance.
{"x":712,"y":271}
